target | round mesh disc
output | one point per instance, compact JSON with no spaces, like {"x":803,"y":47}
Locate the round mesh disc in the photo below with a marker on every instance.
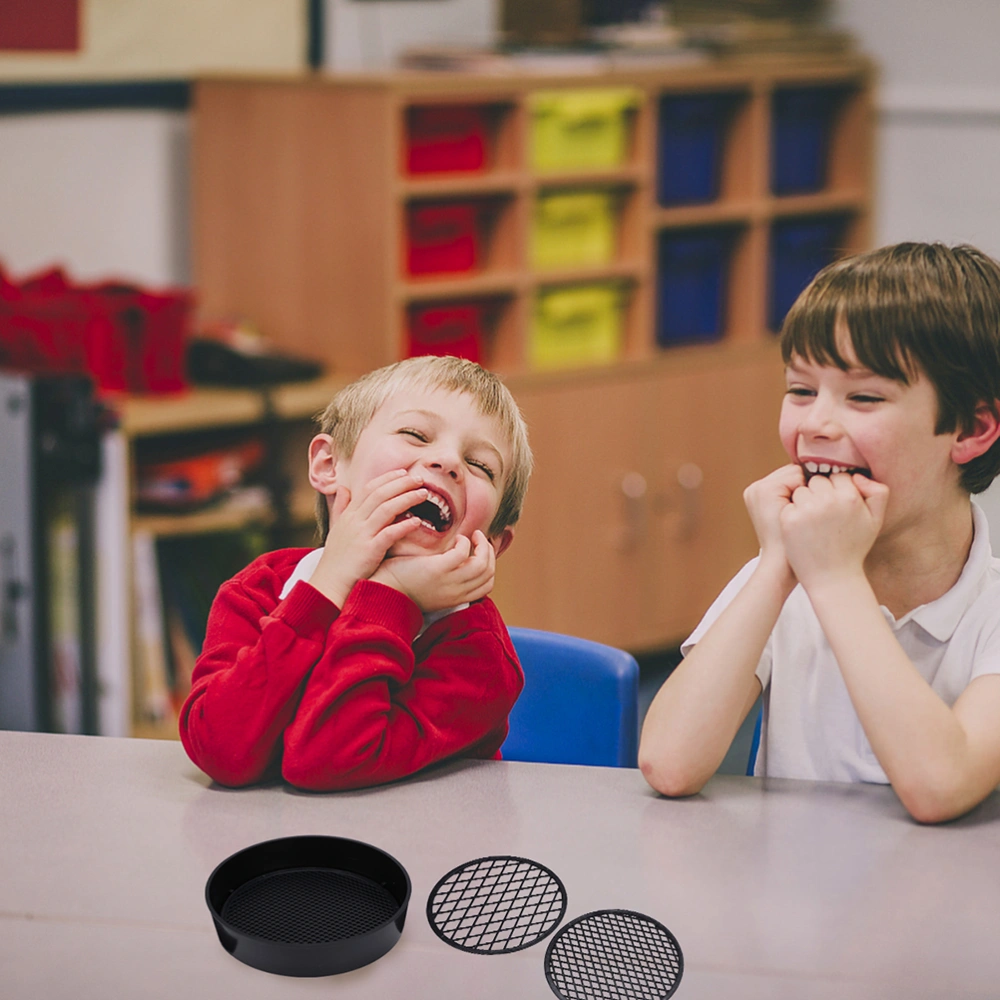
{"x":309,"y":906}
{"x":614,"y":955}
{"x":495,"y":905}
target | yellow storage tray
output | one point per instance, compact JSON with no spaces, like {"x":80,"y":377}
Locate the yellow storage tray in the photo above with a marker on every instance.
{"x":574,"y":228}
{"x":581,"y":129}
{"x":577,"y":325}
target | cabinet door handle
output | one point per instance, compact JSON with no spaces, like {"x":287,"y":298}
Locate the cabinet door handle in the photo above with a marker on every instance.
{"x":633,"y":490}
{"x":689,"y":479}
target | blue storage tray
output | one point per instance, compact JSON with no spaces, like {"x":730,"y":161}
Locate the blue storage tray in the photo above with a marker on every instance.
{"x":691,"y":287}
{"x":802,"y":120}
{"x":692,"y":129}
{"x":799,"y":249}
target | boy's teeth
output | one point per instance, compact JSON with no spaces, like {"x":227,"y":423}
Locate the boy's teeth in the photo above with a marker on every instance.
{"x":442,"y":506}
{"x":825,"y":468}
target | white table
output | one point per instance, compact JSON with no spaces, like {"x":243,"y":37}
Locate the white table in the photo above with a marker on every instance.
{"x":774,"y":889}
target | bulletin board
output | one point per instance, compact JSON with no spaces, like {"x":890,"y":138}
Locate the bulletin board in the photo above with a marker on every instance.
{"x":79,"y":41}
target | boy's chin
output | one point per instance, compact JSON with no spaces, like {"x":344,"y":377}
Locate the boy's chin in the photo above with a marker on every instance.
{"x":424,"y":544}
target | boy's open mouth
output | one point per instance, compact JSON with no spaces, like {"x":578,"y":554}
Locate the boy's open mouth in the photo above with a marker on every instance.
{"x":828,"y":469}
{"x":433,"y":513}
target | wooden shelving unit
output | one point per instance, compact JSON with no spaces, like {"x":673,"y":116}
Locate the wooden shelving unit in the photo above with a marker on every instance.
{"x":634,"y":519}
{"x":317,"y":164}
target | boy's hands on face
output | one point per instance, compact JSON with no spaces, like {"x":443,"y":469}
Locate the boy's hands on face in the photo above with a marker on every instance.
{"x":445,"y":579}
{"x":362,"y":529}
{"x":831,"y":524}
{"x":765,"y":500}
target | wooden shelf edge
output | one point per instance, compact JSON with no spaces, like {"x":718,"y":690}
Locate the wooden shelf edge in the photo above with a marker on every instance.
{"x":615,"y":271}
{"x":708,"y":214}
{"x":460,"y":286}
{"x":681,"y":358}
{"x":456,"y":185}
{"x":780,"y":206}
{"x":193,"y":409}
{"x":234,"y":514}
{"x":625,"y":175}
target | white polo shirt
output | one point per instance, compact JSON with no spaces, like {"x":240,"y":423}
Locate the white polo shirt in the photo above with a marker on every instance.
{"x":810,"y":728}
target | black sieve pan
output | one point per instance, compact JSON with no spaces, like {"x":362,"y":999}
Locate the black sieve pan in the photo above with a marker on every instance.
{"x":308,"y":906}
{"x":614,"y":955}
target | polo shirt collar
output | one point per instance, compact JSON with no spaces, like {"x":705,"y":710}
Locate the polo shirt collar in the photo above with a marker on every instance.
{"x":940,"y":618}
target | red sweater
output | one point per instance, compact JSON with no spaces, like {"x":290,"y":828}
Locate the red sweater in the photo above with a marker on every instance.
{"x":342,"y":698}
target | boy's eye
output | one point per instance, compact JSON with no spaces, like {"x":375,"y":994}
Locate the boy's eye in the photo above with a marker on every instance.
{"x":482,"y":465}
{"x":865,"y":398}
{"x":413,"y":432}
{"x":799,"y":390}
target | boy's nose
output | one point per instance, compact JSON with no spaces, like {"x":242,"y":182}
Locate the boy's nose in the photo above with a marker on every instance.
{"x":819,"y":421}
{"x":444,"y":460}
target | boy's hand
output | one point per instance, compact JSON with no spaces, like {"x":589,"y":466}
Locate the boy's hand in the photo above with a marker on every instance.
{"x":831,"y":524}
{"x":765,"y":500}
{"x":443,"y":580}
{"x":362,"y":529}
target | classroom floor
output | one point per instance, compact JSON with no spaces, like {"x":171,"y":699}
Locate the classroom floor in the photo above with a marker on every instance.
{"x":654,"y":669}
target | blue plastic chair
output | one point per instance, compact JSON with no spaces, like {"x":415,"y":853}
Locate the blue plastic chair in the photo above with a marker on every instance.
{"x":580,"y":703}
{"x":755,"y":743}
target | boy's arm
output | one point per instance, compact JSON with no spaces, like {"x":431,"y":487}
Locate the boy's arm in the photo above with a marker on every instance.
{"x":941,"y":760}
{"x":247,"y":682}
{"x":694,"y":717}
{"x":370,"y":714}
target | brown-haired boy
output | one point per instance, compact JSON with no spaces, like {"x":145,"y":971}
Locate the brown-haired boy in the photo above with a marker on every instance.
{"x":380,"y":652}
{"x":871,"y":617}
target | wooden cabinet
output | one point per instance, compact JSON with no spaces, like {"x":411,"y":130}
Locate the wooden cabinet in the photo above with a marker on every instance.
{"x":634,"y":519}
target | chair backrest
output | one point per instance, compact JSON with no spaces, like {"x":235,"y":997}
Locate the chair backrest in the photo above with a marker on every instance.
{"x":580,"y":703}
{"x":755,"y":743}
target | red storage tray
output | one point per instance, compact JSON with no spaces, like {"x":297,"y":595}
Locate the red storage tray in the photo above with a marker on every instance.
{"x":445,"y":138}
{"x":442,"y":238}
{"x":454,"y":328}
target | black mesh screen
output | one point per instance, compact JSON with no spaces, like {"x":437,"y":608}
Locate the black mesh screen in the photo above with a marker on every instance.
{"x":309,"y":906}
{"x":496,"y":905}
{"x":614,"y":955}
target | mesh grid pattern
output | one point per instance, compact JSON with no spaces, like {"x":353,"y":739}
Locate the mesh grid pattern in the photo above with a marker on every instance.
{"x":614,"y":955}
{"x":309,"y":906}
{"x":495,"y":905}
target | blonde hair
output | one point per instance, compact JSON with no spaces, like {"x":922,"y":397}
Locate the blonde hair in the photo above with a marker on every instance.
{"x":352,"y":409}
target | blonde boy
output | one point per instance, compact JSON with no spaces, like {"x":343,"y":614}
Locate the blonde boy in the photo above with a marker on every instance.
{"x":367,"y":659}
{"x":871,"y":617}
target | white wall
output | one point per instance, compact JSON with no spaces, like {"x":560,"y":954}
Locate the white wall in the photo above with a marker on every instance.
{"x":939,"y":126}
{"x":103,"y":193}
{"x":368,"y":35}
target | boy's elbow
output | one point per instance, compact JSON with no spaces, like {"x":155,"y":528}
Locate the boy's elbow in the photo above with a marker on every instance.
{"x":931,"y":809}
{"x":931,"y":806}
{"x":231,"y":774}
{"x":305,"y":776}
{"x":937,"y":798}
{"x":667,"y":778}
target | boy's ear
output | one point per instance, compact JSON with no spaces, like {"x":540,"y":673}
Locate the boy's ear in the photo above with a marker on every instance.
{"x":323,"y":464}
{"x":971,"y":444}
{"x":502,"y":541}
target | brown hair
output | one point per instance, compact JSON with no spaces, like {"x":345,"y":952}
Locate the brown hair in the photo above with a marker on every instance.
{"x":911,"y":308}
{"x":351,"y":410}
